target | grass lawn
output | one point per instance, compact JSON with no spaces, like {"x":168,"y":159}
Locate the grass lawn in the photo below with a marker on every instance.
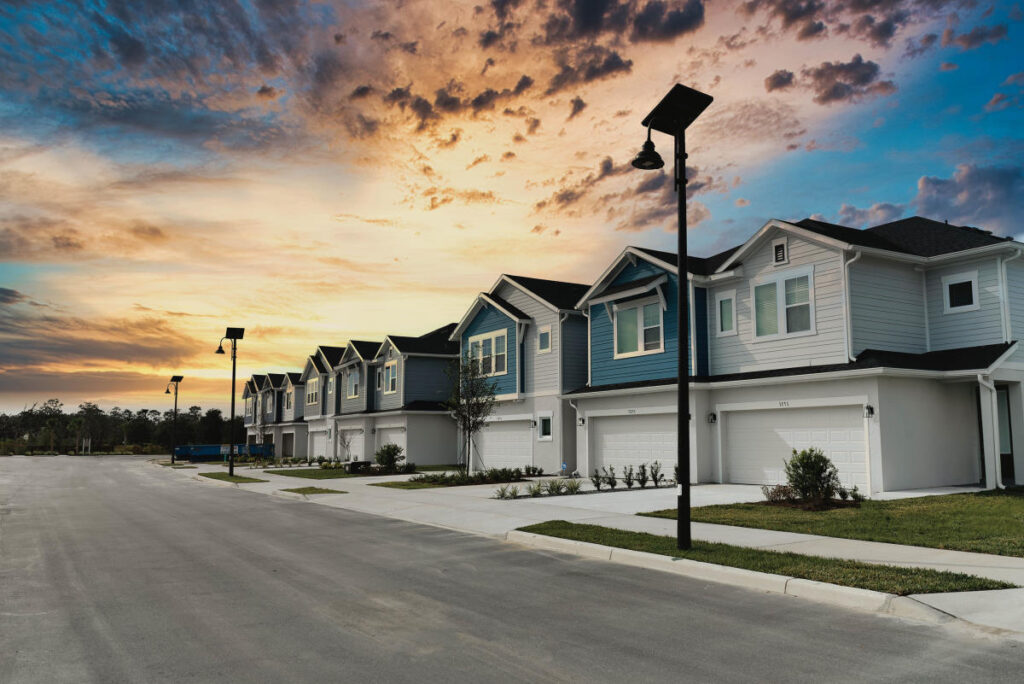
{"x":311,"y":473}
{"x":313,"y":490}
{"x":407,"y":485}
{"x":224,"y":477}
{"x":893,"y":580}
{"x":984,"y":522}
{"x":435,"y":468}
{"x":178,"y":467}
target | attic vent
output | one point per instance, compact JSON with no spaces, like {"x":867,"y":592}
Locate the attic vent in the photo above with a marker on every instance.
{"x":779,"y":255}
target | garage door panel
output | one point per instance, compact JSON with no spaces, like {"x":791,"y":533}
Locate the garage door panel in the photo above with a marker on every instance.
{"x":391,"y":436}
{"x":505,"y":444}
{"x":318,"y":441}
{"x":620,"y":441}
{"x":757,"y":443}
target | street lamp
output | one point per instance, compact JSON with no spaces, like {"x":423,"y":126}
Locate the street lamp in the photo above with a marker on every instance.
{"x":175,"y":380}
{"x":233,"y":334}
{"x":676,"y":111}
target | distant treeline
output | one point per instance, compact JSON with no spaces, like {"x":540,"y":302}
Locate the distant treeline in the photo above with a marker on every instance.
{"x":47,"y":428}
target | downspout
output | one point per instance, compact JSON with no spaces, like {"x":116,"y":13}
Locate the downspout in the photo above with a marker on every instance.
{"x":987,"y":384}
{"x":586,"y":444}
{"x":1005,"y":296}
{"x":849,"y":304}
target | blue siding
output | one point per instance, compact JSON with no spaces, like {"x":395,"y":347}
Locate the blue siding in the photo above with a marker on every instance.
{"x":606,"y":370}
{"x":426,"y":379}
{"x":700,"y":317}
{"x":488,"y":319}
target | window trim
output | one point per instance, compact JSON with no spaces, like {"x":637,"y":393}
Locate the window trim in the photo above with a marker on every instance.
{"x":351,"y":373}
{"x":380,"y":378}
{"x":479,"y":340}
{"x":639,"y":305}
{"x":289,"y":400}
{"x":549,"y":416}
{"x":779,"y":279}
{"x":312,"y":396}
{"x":954,"y":279}
{"x":392,"y":378}
{"x":785,"y":251}
{"x":540,"y":350}
{"x":719,"y":298}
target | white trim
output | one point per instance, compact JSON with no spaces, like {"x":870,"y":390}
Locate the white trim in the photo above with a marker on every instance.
{"x":785,"y":251}
{"x":779,"y":279}
{"x":348,"y":383}
{"x":632,"y":292}
{"x":638,"y":411}
{"x":719,"y":298}
{"x":649,"y":389}
{"x":691,"y":337}
{"x":541,"y":415}
{"x":639,"y":305}
{"x":540,"y":331}
{"x":782,"y":225}
{"x":392,"y":378}
{"x":493,"y":335}
{"x":848,"y":304}
{"x":852,"y":400}
{"x":955,"y":279}
{"x":504,"y":278}
{"x":511,"y":418}
{"x":315,"y":393}
{"x":631,"y":253}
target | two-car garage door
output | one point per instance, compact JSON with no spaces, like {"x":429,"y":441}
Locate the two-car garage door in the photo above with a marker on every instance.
{"x":619,"y":441}
{"x":757,"y":443}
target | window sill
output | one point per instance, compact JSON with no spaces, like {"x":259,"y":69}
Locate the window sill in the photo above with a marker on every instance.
{"x":631,"y":355}
{"x":787,"y":336}
{"x":960,"y":309}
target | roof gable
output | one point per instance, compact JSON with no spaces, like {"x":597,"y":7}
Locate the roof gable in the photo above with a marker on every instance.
{"x":482,"y":301}
{"x":331,"y":356}
{"x":666,"y":261}
{"x":556,"y":294}
{"x":434,"y":343}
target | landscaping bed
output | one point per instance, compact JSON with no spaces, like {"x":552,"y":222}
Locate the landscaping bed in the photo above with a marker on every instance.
{"x":311,"y":473}
{"x":885,"y":578}
{"x":313,"y":490}
{"x":982,"y":522}
{"x":224,"y":477}
{"x":463,"y":479}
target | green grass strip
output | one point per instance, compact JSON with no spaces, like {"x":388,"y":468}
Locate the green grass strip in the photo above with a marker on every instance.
{"x":224,"y":477}
{"x":178,"y":467}
{"x":886,"y":578}
{"x":982,"y":522}
{"x":407,"y":485}
{"x":313,"y":490}
{"x":311,"y":473}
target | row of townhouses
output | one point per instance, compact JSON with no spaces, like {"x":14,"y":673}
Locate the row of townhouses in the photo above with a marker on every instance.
{"x":892,"y":349}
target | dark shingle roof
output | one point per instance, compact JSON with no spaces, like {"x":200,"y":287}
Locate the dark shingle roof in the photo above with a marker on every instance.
{"x":295,"y":378}
{"x":508,"y":307}
{"x":631,"y":285}
{"x":694,"y":265}
{"x":853,"y":236}
{"x":318,"y":363}
{"x":332,"y":354}
{"x":276,"y":379}
{"x":669,"y":257}
{"x":557,"y":293}
{"x":925,"y":237}
{"x":366,"y":349}
{"x":433,"y":342}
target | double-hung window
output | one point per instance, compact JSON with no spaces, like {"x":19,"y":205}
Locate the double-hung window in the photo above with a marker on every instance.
{"x":784,"y":305}
{"x":353,"y":383}
{"x":490,"y":351}
{"x":330,"y":384}
{"x":312,"y":390}
{"x":248,"y":406}
{"x":639,"y":328}
{"x":391,"y":377}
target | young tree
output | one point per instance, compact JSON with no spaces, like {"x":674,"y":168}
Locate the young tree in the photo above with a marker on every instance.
{"x":471,"y":402}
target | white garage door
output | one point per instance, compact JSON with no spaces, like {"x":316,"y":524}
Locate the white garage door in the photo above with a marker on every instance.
{"x":631,"y":440}
{"x":355,"y":449}
{"x":392,"y":435}
{"x":504,"y":444}
{"x":757,"y":443}
{"x":318,"y":441}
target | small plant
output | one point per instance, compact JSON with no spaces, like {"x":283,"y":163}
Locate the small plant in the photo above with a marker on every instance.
{"x":555,"y":487}
{"x":656,"y":474}
{"x":813,"y":476}
{"x":641,"y":475}
{"x":535,"y":489}
{"x":778,"y":493}
{"x":609,"y":476}
{"x":388,"y":455}
{"x":513,"y":492}
{"x":627,"y":476}
{"x":517,"y":473}
{"x":856,"y":495}
{"x":320,"y":460}
{"x":573,"y":486}
{"x":597,"y":480}
{"x":844,"y":493}
{"x":502,"y":492}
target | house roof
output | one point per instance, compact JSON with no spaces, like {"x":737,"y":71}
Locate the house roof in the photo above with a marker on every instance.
{"x":557,"y":293}
{"x":318,"y":363}
{"x":364,"y":348}
{"x":258,"y":380}
{"x":631,"y":285}
{"x":276,"y":380}
{"x":294,"y":378}
{"x":331,"y":354}
{"x":433,"y":342}
{"x":504,"y":304}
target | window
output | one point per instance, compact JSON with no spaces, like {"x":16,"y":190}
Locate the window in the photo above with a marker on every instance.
{"x":544,"y":427}
{"x":780,"y":252}
{"x":353,"y":383}
{"x":390,"y":377}
{"x":960,"y":292}
{"x":490,"y":352}
{"x":380,"y":378}
{"x":330,"y":384}
{"x":725,"y":309}
{"x":288,"y":399}
{"x":544,"y":339}
{"x":312,"y":390}
{"x":638,"y":329}
{"x":248,"y":406}
{"x":784,"y":305}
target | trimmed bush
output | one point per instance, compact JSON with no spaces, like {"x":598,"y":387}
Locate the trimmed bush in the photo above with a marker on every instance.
{"x":388,"y":455}
{"x":812,"y":476}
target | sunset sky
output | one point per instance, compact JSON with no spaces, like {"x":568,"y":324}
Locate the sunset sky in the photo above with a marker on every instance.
{"x":320,"y":171}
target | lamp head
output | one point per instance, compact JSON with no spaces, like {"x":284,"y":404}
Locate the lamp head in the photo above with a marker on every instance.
{"x":167,"y":391}
{"x":647,"y":159}
{"x":220,"y":348}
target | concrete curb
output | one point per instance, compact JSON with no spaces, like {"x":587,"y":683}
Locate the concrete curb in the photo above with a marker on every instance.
{"x":290,"y":495}
{"x":222,"y":483}
{"x":819,"y":592}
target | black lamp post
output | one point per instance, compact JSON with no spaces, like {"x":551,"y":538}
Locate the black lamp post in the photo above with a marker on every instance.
{"x":672,"y":116}
{"x":175,"y":380}
{"x":233,"y":334}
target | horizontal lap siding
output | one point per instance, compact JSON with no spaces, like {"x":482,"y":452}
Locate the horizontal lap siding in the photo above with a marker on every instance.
{"x":426,"y":379}
{"x":489,"y":319}
{"x":887,"y":306}
{"x":739,"y":353}
{"x":967,"y":328}
{"x":367,"y":383}
{"x":540,"y":371}
{"x":1015,"y":286}
{"x":394,"y":400}
{"x":574,"y":353}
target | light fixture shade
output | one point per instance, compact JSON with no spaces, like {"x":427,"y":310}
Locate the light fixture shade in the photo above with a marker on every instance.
{"x":220,"y":349}
{"x":167,"y":390}
{"x":648,"y":159}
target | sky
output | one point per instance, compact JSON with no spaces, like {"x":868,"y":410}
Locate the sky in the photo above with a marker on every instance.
{"x":323,"y":171}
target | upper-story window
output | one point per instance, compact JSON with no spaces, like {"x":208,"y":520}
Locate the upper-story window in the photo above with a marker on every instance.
{"x":490,"y":352}
{"x":960,"y":292}
{"x":248,"y":406}
{"x":330,"y":384}
{"x":380,"y":378}
{"x":353,"y":383}
{"x":780,"y":252}
{"x":638,"y":328}
{"x":784,"y":305}
{"x":312,"y":390}
{"x":544,"y":339}
{"x":725,"y":309}
{"x":288,"y":399}
{"x":390,"y":377}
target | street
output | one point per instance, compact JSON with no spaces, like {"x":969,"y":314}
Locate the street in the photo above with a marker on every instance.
{"x":114,"y":570}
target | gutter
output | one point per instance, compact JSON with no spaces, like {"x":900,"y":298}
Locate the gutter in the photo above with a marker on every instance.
{"x":849,"y":304}
{"x":1005,"y":295}
{"x":987,"y":384}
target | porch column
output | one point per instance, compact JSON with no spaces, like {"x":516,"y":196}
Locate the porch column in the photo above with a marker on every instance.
{"x":1016,"y":392}
{"x":989,"y":431}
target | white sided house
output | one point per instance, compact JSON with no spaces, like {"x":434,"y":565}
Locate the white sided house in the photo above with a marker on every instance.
{"x":893,"y":349}
{"x":527,"y":336}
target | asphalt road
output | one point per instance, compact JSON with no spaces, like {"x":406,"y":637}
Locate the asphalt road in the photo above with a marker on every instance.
{"x":113,"y":570}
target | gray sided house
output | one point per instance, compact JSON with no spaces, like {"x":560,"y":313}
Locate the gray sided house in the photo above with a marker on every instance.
{"x":251,"y":409}
{"x":355,"y":425}
{"x":321,"y":400}
{"x":530,"y":340}
{"x":291,"y":431}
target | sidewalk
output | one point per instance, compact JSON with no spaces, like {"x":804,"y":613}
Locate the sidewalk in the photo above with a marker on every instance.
{"x":473,"y":509}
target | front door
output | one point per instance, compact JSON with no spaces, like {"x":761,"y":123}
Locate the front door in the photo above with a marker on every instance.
{"x":1005,"y":436}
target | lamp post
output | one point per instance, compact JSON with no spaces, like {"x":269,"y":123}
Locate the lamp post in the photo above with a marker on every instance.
{"x":233,"y":334}
{"x":175,"y":380}
{"x":672,"y":116}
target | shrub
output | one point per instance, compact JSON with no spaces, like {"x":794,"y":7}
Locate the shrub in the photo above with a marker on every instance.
{"x":387,"y":456}
{"x":502,"y":492}
{"x":513,"y":492}
{"x":609,"y":476}
{"x":320,"y":460}
{"x":641,"y":475}
{"x":627,"y":476}
{"x":778,"y":493}
{"x":856,"y":495}
{"x":597,"y":480}
{"x":844,"y":493}
{"x":491,"y":476}
{"x":535,"y":489}
{"x":656,"y":474}
{"x":573,"y":486}
{"x":555,"y":487}
{"x":813,"y":476}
